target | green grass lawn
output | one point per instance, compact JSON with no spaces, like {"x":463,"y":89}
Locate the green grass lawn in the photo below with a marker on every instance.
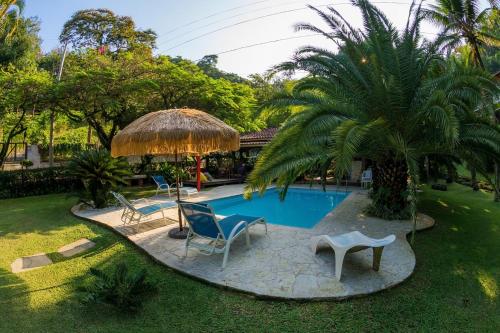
{"x":454,"y":287}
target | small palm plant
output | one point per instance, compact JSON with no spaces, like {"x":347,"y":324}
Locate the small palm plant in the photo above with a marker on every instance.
{"x":99,"y":173}
{"x":124,"y":290}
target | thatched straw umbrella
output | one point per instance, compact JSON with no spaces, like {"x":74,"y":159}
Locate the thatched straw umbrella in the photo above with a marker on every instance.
{"x":175,"y":132}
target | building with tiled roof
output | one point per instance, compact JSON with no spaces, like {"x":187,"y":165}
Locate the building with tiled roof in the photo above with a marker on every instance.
{"x":257,"y":139}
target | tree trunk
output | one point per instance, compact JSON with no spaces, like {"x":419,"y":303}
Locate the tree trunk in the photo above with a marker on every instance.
{"x":497,"y":182}
{"x":450,"y":177}
{"x":89,"y":135}
{"x":17,"y":129}
{"x":390,"y":186}
{"x":51,"y":138}
{"x":473,"y":179}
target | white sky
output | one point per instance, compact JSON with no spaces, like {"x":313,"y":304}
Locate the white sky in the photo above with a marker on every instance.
{"x":165,"y":16}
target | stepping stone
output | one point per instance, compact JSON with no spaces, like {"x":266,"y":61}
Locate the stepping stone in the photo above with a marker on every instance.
{"x":28,"y":263}
{"x":77,"y":247}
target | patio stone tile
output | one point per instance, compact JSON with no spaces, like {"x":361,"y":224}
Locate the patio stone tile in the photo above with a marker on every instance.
{"x":31,"y":262}
{"x":281,"y":263}
{"x":77,"y":247}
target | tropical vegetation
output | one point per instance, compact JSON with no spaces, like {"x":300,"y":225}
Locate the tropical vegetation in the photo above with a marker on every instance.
{"x":99,"y":173}
{"x":386,"y":95}
{"x":123,"y":289}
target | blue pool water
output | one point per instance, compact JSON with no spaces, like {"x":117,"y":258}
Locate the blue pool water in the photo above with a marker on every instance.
{"x":302,"y":208}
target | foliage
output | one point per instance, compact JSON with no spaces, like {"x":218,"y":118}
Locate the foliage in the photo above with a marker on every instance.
{"x":145,"y":166}
{"x":26,"y":163}
{"x":99,"y":173}
{"x":22,"y":46}
{"x":62,"y":151}
{"x":10,"y":11}
{"x":460,"y":20}
{"x":265,"y":88}
{"x":102,"y":91}
{"x":168,"y":171}
{"x":24,"y":92}
{"x":209,"y":66}
{"x":387,"y":96}
{"x":127,"y":291}
{"x":23,"y":183}
{"x":180,"y":83}
{"x":94,"y":28}
{"x":490,"y":54}
{"x":176,"y":84}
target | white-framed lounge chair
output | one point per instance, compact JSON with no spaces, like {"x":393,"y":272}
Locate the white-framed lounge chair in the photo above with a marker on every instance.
{"x":217,"y":234}
{"x":132,"y":214}
{"x":188,"y":191}
{"x":162,"y":185}
{"x":353,"y":242}
{"x":366,"y":178}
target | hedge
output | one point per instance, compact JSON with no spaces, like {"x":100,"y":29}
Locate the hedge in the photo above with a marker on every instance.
{"x":23,"y":183}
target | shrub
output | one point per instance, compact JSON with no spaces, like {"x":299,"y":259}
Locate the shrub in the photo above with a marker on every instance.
{"x":22,"y":183}
{"x":99,"y":173}
{"x":121,"y":289}
{"x":439,"y":187}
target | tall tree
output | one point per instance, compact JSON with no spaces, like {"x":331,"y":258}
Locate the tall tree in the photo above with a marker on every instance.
{"x":209,"y":65}
{"x":102,"y":91}
{"x":386,"y":95}
{"x":179,"y":83}
{"x":101,"y":28}
{"x":460,"y":21}
{"x":24,"y":92}
{"x":19,"y":41}
{"x":10,"y":11}
{"x":463,"y":21}
{"x":176,"y":84}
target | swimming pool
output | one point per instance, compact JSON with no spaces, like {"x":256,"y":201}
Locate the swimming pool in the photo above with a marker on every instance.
{"x":302,"y":208}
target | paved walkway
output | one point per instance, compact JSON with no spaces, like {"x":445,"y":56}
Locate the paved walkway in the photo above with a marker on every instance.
{"x":282,"y":264}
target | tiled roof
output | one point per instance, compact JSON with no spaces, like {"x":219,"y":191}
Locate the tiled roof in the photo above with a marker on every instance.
{"x":265,"y":135}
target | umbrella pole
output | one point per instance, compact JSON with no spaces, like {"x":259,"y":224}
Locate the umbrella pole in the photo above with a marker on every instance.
{"x":178,"y":193}
{"x":178,"y":233}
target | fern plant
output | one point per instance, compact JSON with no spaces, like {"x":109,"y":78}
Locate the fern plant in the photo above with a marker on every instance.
{"x":124,"y":290}
{"x":99,"y":173}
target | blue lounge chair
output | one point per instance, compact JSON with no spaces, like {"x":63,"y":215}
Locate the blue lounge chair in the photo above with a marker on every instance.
{"x":162,"y":184}
{"x":132,"y":214}
{"x":219,"y":233}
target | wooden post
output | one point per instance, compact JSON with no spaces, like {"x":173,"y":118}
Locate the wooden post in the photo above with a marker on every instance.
{"x":377,"y":256}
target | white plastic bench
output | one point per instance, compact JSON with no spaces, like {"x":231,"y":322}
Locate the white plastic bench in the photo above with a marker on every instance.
{"x":353,"y":242}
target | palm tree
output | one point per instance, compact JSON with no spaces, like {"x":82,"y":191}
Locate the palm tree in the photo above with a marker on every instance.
{"x":385,"y":95}
{"x":10,"y":11}
{"x":460,"y":21}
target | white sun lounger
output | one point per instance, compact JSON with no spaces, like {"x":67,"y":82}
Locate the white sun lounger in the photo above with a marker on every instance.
{"x":353,"y":242}
{"x":188,"y":191}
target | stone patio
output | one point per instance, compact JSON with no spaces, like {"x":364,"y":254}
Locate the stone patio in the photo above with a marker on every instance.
{"x":281,"y":264}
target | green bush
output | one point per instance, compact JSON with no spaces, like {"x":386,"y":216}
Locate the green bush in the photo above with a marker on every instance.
{"x":22,"y":183}
{"x":120,"y":289}
{"x":99,"y":173}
